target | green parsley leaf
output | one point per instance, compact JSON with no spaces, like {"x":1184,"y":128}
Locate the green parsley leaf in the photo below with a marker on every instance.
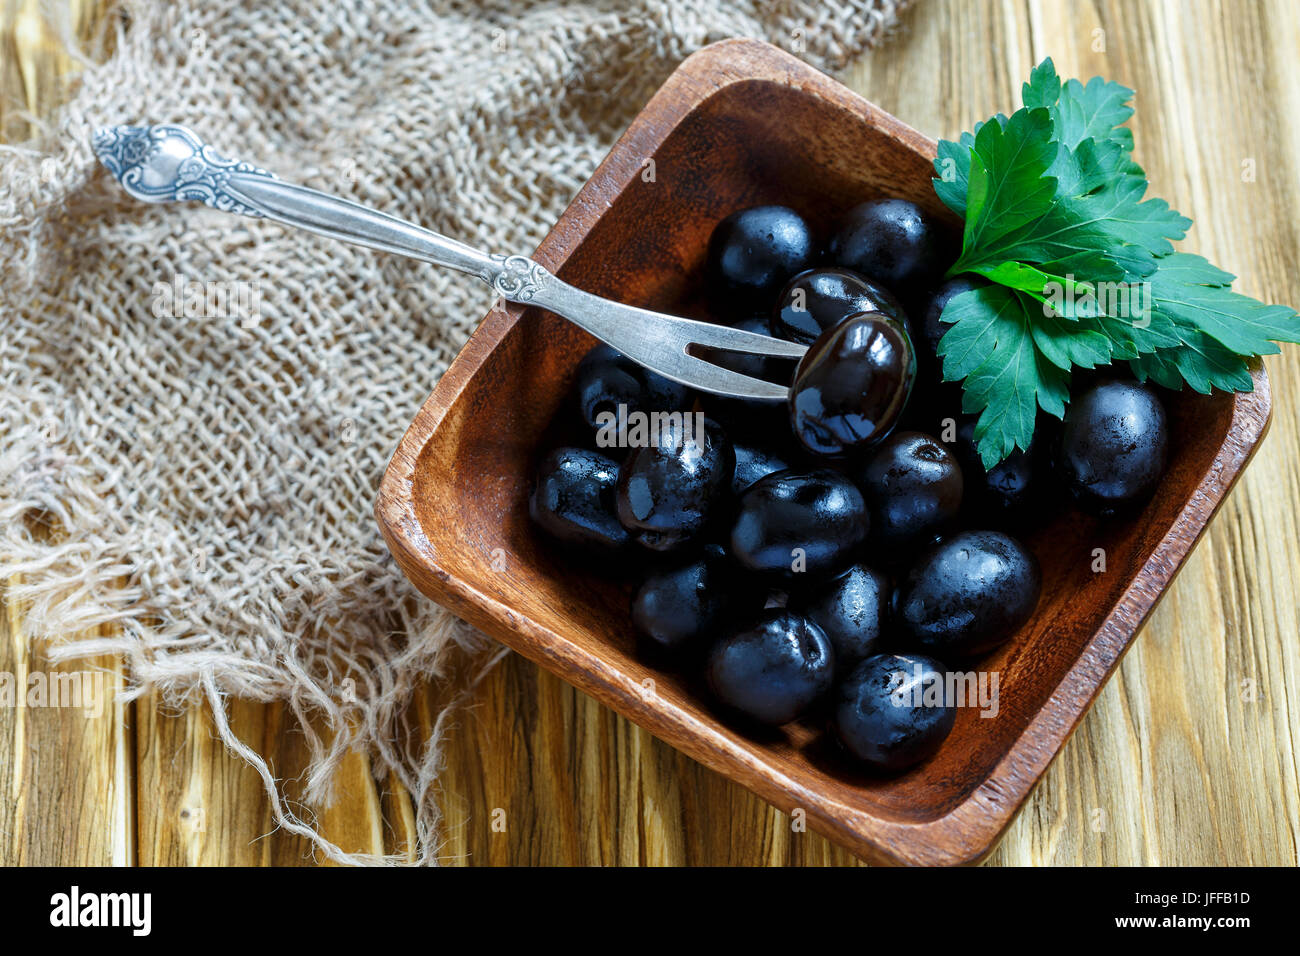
{"x":1008,"y":186}
{"x":1112,"y":222}
{"x":1044,"y":87}
{"x":952,"y":166}
{"x":1082,"y":266}
{"x":991,"y":346}
{"x":1202,"y":363}
{"x":952,"y":172}
{"x":1191,"y":292}
{"x":1130,"y":336}
{"x":1035,"y":282}
{"x":1096,"y":111}
{"x":1067,"y":344}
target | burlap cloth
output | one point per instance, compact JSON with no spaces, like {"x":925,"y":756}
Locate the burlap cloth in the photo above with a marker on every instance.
{"x":191,"y":488}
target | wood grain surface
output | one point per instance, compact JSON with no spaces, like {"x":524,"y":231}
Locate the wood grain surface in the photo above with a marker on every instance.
{"x":1188,"y":756}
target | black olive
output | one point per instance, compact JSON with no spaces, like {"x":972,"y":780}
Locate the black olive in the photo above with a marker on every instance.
{"x":773,"y":670}
{"x":573,"y":500}
{"x":892,"y":711}
{"x":668,"y":490}
{"x":754,"y":251}
{"x":927,"y":331}
{"x":913,"y":486}
{"x":1008,"y":488}
{"x":818,"y":299}
{"x":753,"y":463}
{"x":606,"y":379}
{"x":933,"y":399}
{"x":1114,"y":446}
{"x":932,"y":328}
{"x":892,"y":241}
{"x":799,"y":526}
{"x":852,"y":611}
{"x":968,"y":594}
{"x":852,"y":385}
{"x":677,"y":609}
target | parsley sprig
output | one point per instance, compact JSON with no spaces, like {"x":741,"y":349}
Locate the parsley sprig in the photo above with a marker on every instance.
{"x":1081,"y":267}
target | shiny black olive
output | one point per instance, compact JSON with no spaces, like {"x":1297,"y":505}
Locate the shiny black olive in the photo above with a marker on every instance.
{"x":1008,"y":488}
{"x":852,"y":385}
{"x":606,"y":379}
{"x":933,"y":399}
{"x":892,"y":711}
{"x":668,"y":490}
{"x":773,"y":669}
{"x":573,"y":500}
{"x":913,"y":486}
{"x":852,"y":611}
{"x":754,"y":251}
{"x":892,"y":241}
{"x":1114,"y":446}
{"x":931,"y":328}
{"x":927,"y":331}
{"x":967,"y":594}
{"x":799,"y":526}
{"x":753,"y":463}
{"x":677,"y":609}
{"x":815,"y":300}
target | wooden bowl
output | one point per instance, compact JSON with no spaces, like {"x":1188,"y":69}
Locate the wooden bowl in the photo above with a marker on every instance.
{"x":741,"y":123}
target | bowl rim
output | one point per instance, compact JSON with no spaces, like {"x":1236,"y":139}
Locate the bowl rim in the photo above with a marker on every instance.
{"x":971,"y":828}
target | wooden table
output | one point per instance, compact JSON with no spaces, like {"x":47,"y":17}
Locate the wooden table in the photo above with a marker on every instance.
{"x":1188,"y":757}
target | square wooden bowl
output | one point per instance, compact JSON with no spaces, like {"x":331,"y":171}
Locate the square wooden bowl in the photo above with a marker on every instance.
{"x":741,"y":123}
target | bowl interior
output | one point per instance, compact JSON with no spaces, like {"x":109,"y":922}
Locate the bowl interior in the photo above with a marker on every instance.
{"x":752,"y":142}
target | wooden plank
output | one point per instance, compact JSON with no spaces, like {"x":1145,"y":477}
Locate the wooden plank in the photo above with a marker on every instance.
{"x":201,"y":805}
{"x":34,"y":66}
{"x":66,"y":756}
{"x":67,"y":773}
{"x":540,"y":774}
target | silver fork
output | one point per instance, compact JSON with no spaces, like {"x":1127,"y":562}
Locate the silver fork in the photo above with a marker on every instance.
{"x":170,"y":164}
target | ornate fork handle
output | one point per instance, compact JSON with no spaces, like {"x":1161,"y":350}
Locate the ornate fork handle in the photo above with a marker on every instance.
{"x":170,"y":163}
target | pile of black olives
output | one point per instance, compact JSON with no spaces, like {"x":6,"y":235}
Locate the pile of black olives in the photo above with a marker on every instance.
{"x":832,"y":557}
